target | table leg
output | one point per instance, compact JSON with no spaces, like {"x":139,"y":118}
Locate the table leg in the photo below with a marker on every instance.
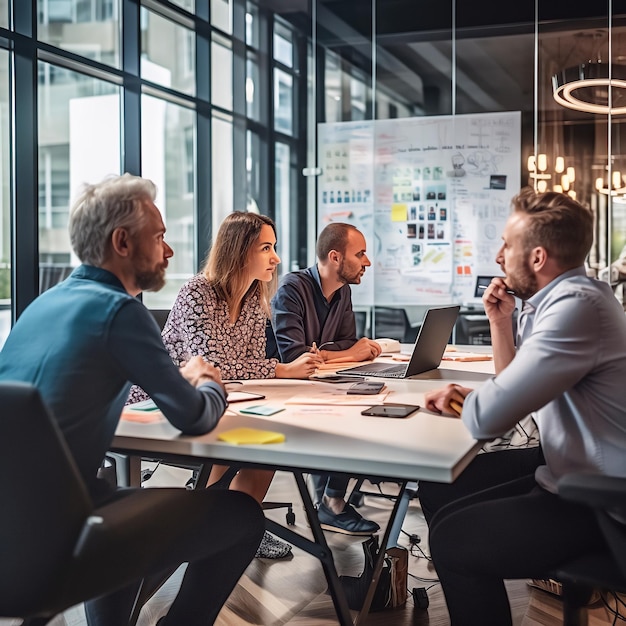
{"x":380,"y":557}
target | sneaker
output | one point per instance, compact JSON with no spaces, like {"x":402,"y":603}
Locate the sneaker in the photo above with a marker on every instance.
{"x":348,"y":522}
{"x":272,"y":548}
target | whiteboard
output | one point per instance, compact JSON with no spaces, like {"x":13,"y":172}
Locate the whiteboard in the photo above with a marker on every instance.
{"x":430,"y":194}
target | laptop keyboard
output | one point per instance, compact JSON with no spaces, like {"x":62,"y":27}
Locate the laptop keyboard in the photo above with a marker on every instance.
{"x":377,"y":369}
{"x":392,"y":372}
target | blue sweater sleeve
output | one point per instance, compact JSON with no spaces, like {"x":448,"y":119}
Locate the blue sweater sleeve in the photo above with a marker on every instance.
{"x":135,"y":341}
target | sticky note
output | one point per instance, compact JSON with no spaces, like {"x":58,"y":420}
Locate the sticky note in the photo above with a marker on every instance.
{"x":242,"y":436}
{"x":398,"y":212}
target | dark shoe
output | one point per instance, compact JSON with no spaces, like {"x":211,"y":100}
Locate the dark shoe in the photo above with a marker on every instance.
{"x":272,"y":548}
{"x":348,"y":522}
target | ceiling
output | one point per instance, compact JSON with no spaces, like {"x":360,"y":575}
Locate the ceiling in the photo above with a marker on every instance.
{"x":494,"y":46}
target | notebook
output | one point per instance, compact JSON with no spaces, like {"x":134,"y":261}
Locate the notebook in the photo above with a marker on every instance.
{"x":429,"y":348}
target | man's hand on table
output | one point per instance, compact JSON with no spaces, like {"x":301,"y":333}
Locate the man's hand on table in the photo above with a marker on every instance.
{"x":448,"y":399}
{"x":363,"y":350}
{"x":198,"y":370}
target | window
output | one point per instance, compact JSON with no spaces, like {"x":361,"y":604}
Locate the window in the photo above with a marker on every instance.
{"x":283,"y":175}
{"x":4,"y":23}
{"x":221,"y":15}
{"x":252,"y":25}
{"x":222,"y":160}
{"x":54,"y":186}
{"x":189,"y":5}
{"x":86,"y":27}
{"x":283,"y":101}
{"x":189,"y":177}
{"x":253,"y":89}
{"x":171,"y":65}
{"x":221,"y":74}
{"x":79,"y":130}
{"x":283,"y":46}
{"x":5,"y":201}
{"x":167,"y":149}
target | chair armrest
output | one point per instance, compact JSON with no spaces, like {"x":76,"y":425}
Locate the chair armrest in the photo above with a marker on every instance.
{"x":594,"y":490}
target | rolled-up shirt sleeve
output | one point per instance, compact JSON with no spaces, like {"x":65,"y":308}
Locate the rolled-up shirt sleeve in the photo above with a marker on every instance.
{"x":137,"y":346}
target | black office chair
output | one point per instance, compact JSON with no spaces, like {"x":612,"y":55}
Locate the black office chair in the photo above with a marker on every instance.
{"x":360,"y":320}
{"x":393,"y":323}
{"x":602,"y":570}
{"x":160,"y":316}
{"x":57,"y":550}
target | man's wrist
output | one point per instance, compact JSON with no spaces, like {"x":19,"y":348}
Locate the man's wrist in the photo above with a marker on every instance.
{"x":204,"y":378}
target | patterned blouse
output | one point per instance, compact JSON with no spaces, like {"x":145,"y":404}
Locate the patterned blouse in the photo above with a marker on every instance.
{"x":199,"y":324}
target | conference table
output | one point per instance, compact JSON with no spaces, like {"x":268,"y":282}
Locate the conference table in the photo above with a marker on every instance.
{"x":324,"y":431}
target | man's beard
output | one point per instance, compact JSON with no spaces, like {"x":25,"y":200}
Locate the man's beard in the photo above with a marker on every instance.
{"x":348,"y":279}
{"x":524,"y":285}
{"x":150,"y":281}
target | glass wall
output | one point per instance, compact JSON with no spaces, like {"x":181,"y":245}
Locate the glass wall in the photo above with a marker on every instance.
{"x":384,"y":63}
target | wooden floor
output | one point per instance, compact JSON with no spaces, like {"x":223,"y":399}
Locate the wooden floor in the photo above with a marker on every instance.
{"x":293,"y":591}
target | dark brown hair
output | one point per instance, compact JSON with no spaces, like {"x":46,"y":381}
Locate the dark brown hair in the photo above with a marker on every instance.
{"x":333,"y":237}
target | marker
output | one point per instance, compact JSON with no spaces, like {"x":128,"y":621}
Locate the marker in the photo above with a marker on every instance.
{"x":507,"y":290}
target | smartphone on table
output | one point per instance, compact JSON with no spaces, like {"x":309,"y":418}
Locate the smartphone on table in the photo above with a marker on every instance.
{"x":391,"y":410}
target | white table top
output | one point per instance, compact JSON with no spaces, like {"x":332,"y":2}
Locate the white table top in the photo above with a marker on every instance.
{"x":331,"y":438}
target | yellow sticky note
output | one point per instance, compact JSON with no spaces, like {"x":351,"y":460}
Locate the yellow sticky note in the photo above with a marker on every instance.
{"x":242,"y":436}
{"x":398,"y":212}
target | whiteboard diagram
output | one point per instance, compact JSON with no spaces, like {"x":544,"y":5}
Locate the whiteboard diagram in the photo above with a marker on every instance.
{"x":431,"y":195}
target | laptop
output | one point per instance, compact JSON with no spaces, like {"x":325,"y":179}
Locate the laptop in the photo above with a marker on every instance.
{"x":429,"y":348}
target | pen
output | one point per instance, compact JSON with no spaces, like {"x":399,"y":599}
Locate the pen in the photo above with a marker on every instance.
{"x":317,"y":349}
{"x":507,"y":290}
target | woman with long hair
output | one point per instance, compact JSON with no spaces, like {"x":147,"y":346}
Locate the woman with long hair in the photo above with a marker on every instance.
{"x":222,"y":314}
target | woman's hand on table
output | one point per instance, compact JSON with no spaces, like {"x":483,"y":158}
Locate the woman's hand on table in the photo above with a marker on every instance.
{"x":302,"y":367}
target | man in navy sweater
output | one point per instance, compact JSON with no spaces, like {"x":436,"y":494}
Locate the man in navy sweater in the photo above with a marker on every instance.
{"x":313,"y":307}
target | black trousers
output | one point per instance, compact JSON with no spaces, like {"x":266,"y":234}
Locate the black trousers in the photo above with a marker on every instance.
{"x":496,"y":523}
{"x":215,"y":531}
{"x":333,"y":485}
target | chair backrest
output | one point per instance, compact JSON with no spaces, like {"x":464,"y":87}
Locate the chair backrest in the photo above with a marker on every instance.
{"x":360,"y":320}
{"x":390,"y":322}
{"x":45,"y":502}
{"x":160,"y":315}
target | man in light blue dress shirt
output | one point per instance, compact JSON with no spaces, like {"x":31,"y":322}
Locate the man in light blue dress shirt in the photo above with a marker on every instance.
{"x":502,"y":518}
